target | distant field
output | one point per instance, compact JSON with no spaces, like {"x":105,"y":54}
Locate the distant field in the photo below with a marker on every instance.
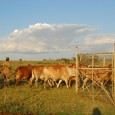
{"x":52,"y":101}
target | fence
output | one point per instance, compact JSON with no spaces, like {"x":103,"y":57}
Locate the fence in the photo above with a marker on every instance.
{"x":92,"y":69}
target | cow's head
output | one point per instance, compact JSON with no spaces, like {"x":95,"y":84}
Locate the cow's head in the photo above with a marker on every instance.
{"x":72,"y":70}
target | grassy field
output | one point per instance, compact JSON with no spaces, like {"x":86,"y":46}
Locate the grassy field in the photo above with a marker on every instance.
{"x":62,"y":101}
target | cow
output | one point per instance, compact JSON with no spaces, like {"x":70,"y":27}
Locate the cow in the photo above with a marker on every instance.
{"x":23,"y":73}
{"x":75,"y":78}
{"x":55,"y":73}
{"x":37,"y":73}
{"x":99,"y":76}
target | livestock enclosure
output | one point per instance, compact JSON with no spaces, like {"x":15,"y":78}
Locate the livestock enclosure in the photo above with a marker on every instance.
{"x":100,"y":71}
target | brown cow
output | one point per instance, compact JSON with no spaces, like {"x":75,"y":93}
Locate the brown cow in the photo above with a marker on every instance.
{"x":56,"y":72}
{"x":73,"y":78}
{"x":59,"y":72}
{"x":37,"y":73}
{"x":99,"y":75}
{"x":23,"y":73}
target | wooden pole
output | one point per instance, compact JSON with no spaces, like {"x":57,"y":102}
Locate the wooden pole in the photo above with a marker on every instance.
{"x":113,"y":74}
{"x":114,"y":69}
{"x":103,"y":61}
{"x":92,"y":78}
{"x":76,"y":86}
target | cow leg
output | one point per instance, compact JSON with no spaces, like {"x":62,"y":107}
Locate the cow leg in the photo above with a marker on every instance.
{"x":84,"y":82}
{"x":66,"y":81}
{"x":36,"y":82}
{"x":70,"y":80}
{"x":50,"y":82}
{"x":31,"y":80}
{"x":17,"y":79}
{"x":45,"y":80}
{"x":54,"y":83}
{"x":59,"y":83}
{"x":45,"y":84}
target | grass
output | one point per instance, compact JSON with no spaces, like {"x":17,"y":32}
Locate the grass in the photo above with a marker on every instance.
{"x":62,"y":101}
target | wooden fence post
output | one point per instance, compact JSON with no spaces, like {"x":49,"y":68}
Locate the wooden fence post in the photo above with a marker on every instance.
{"x":76,"y":86}
{"x":103,"y":61}
{"x":92,"y":77}
{"x":114,"y":71}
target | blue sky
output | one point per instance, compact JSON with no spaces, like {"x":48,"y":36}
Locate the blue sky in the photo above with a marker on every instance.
{"x":44,"y":29}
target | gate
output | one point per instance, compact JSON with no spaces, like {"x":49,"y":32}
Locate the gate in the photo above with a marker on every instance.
{"x":91,"y":73}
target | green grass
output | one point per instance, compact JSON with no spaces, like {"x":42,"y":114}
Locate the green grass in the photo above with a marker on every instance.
{"x":52,"y":101}
{"x":61,"y":101}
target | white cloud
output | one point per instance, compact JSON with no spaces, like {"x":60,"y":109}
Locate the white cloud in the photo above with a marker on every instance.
{"x":54,"y":40}
{"x":100,"y":39}
{"x":41,"y":38}
{"x":99,"y":43}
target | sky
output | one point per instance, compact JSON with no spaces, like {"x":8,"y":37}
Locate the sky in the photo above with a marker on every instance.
{"x":52,"y":29}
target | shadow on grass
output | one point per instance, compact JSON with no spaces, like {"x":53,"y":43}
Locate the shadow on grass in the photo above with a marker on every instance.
{"x":1,"y":83}
{"x":96,"y":111}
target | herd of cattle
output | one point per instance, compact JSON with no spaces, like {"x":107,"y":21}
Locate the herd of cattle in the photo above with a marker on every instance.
{"x":50,"y":74}
{"x":55,"y":74}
